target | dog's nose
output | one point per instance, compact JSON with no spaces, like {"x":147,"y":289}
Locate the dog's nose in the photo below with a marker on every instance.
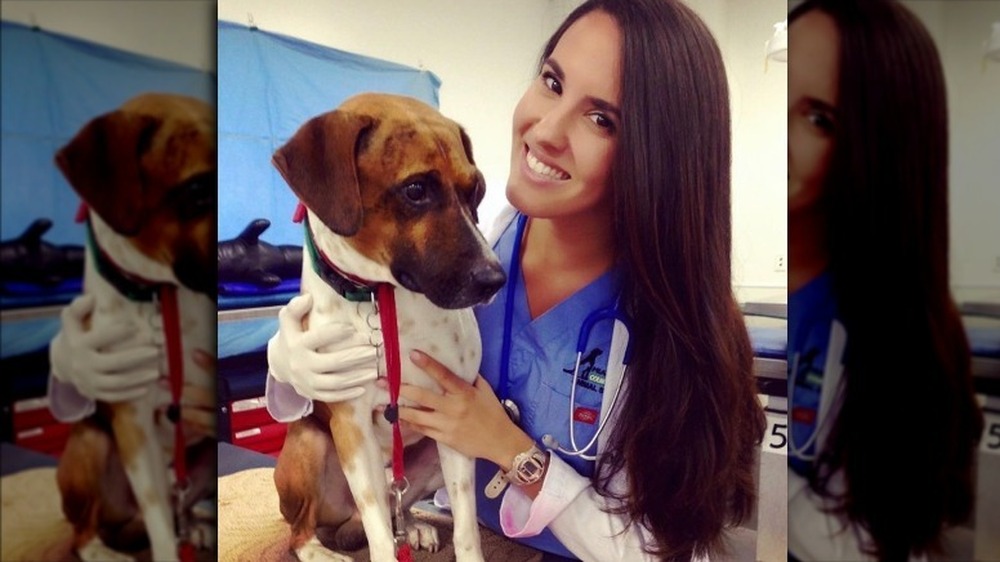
{"x":488,"y":278}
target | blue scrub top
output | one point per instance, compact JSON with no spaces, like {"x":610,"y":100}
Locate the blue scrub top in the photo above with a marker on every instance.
{"x":542,"y":357}
{"x":812,"y":310}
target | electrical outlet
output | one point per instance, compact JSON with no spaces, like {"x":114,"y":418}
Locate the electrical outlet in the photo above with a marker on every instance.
{"x":779,"y":263}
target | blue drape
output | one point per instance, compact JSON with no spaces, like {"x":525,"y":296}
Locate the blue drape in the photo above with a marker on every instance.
{"x":269,"y":85}
{"x":52,"y":85}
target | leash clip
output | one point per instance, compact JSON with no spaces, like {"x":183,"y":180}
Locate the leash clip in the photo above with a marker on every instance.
{"x":397,"y":488}
{"x":179,"y":493}
{"x":182,"y":524}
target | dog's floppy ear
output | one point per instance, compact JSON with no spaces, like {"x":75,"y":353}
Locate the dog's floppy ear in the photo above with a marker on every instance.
{"x":481,"y":188}
{"x":102,"y":164}
{"x":319,"y":163}
{"x":467,"y":145}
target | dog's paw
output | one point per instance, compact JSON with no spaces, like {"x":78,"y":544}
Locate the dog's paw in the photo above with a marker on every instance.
{"x":314,"y":551}
{"x":97,"y":551}
{"x":202,"y":535}
{"x":422,"y":536}
{"x":202,"y":532}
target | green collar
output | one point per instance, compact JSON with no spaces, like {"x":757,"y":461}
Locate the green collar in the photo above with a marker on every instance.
{"x":132,"y":287}
{"x":346,"y":285}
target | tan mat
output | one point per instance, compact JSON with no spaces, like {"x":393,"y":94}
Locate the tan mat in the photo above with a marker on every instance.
{"x":251,"y":528}
{"x":250,"y":525}
{"x":33,"y":526}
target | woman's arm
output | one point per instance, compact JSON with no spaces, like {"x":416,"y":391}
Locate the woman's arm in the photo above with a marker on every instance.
{"x":330,"y":363}
{"x":86,"y":366}
{"x":576,"y":514}
{"x":563,"y":500}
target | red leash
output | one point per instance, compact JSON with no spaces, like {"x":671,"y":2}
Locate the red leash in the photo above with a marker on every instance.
{"x":175,"y":366}
{"x":170,"y":313}
{"x":385,"y":299}
{"x":390,"y":331}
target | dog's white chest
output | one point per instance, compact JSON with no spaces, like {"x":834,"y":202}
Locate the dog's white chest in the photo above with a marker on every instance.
{"x":144,"y":323}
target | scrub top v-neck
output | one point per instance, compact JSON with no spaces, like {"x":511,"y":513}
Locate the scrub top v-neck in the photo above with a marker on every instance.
{"x":541,"y":363}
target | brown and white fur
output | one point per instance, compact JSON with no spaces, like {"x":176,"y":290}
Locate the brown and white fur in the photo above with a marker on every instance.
{"x":136,"y":169}
{"x":354,"y":168}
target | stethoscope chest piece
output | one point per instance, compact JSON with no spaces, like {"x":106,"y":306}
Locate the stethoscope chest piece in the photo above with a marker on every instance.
{"x":513,"y":412}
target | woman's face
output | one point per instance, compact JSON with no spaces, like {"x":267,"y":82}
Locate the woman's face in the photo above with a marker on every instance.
{"x":566,"y":124}
{"x":813,"y":70}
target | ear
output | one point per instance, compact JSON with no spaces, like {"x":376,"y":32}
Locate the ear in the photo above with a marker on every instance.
{"x":481,"y":187}
{"x":102,"y":164}
{"x":319,"y":163}
{"x":467,"y":145}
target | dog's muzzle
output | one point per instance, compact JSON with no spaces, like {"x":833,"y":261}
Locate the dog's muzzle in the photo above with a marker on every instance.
{"x":460,"y":289}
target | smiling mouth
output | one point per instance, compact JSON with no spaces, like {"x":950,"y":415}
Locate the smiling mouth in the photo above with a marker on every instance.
{"x":542,"y":169}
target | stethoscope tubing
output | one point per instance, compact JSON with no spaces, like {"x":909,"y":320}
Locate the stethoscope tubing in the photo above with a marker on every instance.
{"x":609,"y":313}
{"x":576,"y":451}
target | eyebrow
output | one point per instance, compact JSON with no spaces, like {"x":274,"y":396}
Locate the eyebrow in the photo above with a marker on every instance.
{"x":599,"y":103}
{"x":818,"y":104}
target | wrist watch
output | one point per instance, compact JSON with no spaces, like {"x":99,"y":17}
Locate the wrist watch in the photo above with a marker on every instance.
{"x":527,"y":467}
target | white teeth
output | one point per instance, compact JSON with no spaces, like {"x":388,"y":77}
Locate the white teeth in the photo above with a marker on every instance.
{"x":542,"y":169}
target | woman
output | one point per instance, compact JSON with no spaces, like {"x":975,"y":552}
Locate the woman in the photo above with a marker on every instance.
{"x":882,"y":441}
{"x":620,"y":168}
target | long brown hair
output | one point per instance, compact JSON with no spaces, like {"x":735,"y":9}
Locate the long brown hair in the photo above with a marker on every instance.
{"x":690,"y":422}
{"x":906,"y":431}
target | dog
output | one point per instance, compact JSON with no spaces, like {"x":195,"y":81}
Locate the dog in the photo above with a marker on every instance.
{"x":391,"y":191}
{"x":147,"y":174}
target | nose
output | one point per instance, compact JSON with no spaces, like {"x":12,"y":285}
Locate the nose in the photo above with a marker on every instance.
{"x":487,"y":278}
{"x":549,"y":130}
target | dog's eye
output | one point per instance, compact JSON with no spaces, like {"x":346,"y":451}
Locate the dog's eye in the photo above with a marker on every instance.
{"x":197,"y":197}
{"x":415,"y":192}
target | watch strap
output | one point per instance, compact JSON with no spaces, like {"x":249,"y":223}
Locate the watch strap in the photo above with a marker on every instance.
{"x":496,"y":485}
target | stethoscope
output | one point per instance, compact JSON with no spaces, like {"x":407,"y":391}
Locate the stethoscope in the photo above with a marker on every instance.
{"x":835,"y":349}
{"x":599,"y":315}
{"x":801,"y":451}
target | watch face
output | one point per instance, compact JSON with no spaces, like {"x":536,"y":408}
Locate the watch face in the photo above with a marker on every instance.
{"x":528,"y":467}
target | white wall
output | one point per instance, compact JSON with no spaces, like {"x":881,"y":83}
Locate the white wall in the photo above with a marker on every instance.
{"x":180,"y":31}
{"x":485,"y":53}
{"x":760,"y":147}
{"x":960,"y":29}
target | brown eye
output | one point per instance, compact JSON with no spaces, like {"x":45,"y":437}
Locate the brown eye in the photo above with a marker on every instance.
{"x":196,"y":197}
{"x":821,"y":120}
{"x":603,"y":122}
{"x":415,"y":192}
{"x":551,"y":82}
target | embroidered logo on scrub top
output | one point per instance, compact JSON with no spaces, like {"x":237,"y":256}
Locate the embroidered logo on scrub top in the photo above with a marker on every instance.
{"x":590,"y":375}
{"x":585,"y":415}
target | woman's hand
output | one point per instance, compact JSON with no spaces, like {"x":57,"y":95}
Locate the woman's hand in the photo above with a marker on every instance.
{"x":95,"y":362}
{"x":347,"y":360}
{"x":466,"y":417}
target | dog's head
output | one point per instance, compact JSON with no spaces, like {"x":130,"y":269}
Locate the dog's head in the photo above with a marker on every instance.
{"x":398,"y":181}
{"x":148,"y":170}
